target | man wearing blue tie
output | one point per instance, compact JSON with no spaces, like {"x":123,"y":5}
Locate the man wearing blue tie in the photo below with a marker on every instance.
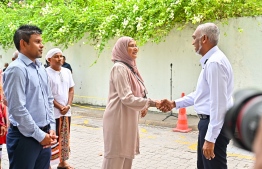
{"x":30,"y":104}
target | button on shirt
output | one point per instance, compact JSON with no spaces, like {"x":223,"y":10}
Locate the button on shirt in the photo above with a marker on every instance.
{"x":213,"y":95}
{"x":29,"y":98}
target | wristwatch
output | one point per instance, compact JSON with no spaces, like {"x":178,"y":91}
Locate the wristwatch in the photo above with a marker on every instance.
{"x":69,"y":106}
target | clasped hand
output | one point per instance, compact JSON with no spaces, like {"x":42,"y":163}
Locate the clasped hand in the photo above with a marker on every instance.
{"x":64,"y":110}
{"x":50,"y":139}
{"x":165,"y":105}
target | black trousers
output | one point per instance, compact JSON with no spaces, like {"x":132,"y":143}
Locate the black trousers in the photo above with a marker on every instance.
{"x":220,"y":160}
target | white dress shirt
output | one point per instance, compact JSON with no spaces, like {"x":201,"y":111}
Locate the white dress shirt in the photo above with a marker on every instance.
{"x":213,"y":95}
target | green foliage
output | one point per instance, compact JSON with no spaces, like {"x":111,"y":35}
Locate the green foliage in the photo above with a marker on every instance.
{"x":65,"y":22}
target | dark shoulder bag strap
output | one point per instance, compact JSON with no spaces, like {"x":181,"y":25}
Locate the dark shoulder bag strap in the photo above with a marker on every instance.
{"x":132,"y":70}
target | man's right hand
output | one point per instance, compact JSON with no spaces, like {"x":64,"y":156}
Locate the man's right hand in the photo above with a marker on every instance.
{"x":49,"y":140}
{"x":166,"y":105}
{"x":64,"y":110}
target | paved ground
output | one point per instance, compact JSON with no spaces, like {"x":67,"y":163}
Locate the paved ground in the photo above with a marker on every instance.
{"x":160,"y":147}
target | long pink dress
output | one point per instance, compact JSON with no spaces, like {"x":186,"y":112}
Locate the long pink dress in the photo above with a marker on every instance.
{"x":120,"y":120}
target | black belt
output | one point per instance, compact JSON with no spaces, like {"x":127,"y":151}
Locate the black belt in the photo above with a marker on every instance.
{"x":203,"y":116}
{"x":45,"y":128}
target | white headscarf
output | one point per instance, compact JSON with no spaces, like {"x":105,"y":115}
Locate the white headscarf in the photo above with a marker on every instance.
{"x":52,"y":52}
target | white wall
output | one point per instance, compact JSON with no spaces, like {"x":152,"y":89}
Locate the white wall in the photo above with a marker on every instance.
{"x":242,"y":48}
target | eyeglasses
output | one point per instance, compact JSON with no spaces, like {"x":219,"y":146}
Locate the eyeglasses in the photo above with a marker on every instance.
{"x":61,"y":77}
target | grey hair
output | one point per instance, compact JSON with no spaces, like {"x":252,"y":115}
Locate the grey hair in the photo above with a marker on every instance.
{"x":211,"y":31}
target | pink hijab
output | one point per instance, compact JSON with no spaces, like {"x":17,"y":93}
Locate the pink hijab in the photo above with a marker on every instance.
{"x":119,"y":53}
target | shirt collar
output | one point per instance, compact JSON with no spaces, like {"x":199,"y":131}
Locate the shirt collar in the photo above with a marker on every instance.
{"x":204,"y":59}
{"x":53,"y":70}
{"x":27,"y":61}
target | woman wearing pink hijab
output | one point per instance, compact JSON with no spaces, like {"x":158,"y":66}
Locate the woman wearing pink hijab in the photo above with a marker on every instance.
{"x":126,"y":102}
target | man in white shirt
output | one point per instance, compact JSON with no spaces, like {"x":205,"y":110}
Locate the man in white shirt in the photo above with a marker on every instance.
{"x":62,"y":87}
{"x":212,"y":98}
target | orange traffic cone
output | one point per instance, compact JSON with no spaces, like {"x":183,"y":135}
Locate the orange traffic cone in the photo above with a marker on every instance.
{"x":182,"y":121}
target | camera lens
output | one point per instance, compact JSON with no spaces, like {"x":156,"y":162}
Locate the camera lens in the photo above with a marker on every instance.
{"x":241,"y":121}
{"x":248,"y":120}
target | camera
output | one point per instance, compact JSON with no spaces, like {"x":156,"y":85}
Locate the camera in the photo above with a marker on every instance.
{"x":242,"y":119}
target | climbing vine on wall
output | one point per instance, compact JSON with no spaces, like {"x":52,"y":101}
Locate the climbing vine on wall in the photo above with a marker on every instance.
{"x":65,"y":22}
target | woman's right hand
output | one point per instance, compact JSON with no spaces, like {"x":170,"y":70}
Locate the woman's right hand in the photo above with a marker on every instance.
{"x":166,"y":105}
{"x":143,"y":113}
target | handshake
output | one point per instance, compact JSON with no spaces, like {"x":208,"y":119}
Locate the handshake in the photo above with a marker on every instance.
{"x":162,"y":105}
{"x":165,"y":105}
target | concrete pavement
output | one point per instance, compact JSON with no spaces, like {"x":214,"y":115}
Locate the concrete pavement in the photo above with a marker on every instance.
{"x":152,"y":118}
{"x":160,"y":147}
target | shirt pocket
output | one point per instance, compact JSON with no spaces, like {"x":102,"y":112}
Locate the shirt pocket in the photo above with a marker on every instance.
{"x":34,"y":91}
{"x":33,"y":83}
